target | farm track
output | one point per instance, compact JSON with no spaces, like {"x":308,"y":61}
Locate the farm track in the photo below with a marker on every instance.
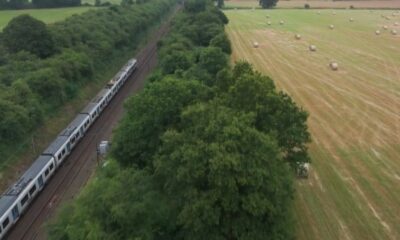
{"x":80,"y":165}
{"x":353,"y":191}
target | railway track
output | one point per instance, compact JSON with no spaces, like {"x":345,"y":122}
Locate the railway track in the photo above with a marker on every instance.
{"x":79,"y":167}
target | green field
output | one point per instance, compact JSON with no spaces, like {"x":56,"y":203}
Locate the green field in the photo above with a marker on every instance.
{"x":353,"y":191}
{"x":45,"y":15}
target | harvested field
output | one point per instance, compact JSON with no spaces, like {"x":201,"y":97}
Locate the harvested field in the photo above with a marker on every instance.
{"x":319,"y":4}
{"x":353,"y":191}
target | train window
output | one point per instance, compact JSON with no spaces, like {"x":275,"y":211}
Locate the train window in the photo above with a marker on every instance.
{"x":32,"y":190}
{"x":46,"y":172}
{"x":6,"y":222}
{"x":24,"y":200}
{"x":63,"y":151}
{"x":59,"y":156}
{"x":51,"y":166}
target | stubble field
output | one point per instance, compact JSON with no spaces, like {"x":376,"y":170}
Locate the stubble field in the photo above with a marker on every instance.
{"x":353,"y":191}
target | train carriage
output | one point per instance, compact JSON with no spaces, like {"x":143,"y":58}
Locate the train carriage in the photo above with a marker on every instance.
{"x":17,"y":198}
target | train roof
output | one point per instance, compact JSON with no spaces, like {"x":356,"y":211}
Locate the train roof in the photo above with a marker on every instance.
{"x":89,"y":108}
{"x":37,"y":166}
{"x":6,"y":202}
{"x":56,"y":145}
{"x":77,"y":122}
{"x":101,"y":95}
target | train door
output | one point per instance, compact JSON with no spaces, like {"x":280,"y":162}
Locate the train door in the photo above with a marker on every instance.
{"x":15,"y":212}
{"x":40,"y":181}
{"x":68,"y":147}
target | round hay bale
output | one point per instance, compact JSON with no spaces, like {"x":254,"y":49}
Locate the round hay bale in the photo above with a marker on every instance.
{"x":334,"y":66}
{"x":334,"y":13}
{"x":394,"y":32}
{"x":312,"y":48}
{"x":394,"y":14}
{"x":269,"y":23}
{"x":281,"y":22}
{"x":255,"y":44}
{"x":351,"y":19}
{"x":319,"y":12}
{"x":396,"y":24}
{"x":331,"y":26}
{"x":298,"y":36}
{"x":377,"y":32}
{"x":385,"y":27}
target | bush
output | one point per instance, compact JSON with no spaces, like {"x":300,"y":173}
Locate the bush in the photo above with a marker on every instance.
{"x":307,"y":6}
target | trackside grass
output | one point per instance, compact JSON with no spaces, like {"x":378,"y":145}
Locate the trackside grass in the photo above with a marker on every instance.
{"x":353,"y":191}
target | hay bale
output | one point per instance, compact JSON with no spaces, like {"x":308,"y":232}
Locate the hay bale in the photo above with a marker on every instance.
{"x":387,"y":18}
{"x":269,"y":23}
{"x":377,"y":32}
{"x":396,"y":23}
{"x":394,"y":32}
{"x":351,"y":19}
{"x":334,"y":13}
{"x":331,"y":26}
{"x":255,"y":44}
{"x":312,"y":48}
{"x":298,"y":36}
{"x":319,"y":12}
{"x":385,"y":27}
{"x":281,"y":22}
{"x":334,"y":66}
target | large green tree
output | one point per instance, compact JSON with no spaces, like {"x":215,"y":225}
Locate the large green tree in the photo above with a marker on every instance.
{"x":149,"y":114}
{"x":268,"y":3}
{"x":29,"y":34}
{"x":276,"y":113}
{"x":228,"y":177}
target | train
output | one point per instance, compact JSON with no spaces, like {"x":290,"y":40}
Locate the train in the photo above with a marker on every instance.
{"x":16,"y":199}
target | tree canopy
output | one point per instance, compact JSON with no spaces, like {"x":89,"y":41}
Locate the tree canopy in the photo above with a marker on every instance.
{"x":25,"y":33}
{"x":268,"y":3}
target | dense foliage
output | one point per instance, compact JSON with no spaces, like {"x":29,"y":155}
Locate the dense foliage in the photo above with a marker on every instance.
{"x":268,"y":3}
{"x":42,"y":67}
{"x":204,"y":151}
{"x":25,"y":33}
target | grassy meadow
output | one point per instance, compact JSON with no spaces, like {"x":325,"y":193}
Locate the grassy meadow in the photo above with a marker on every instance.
{"x":353,"y":191}
{"x":46,"y":15}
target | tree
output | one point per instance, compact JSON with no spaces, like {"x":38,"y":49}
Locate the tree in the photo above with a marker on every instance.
{"x":120,"y":204}
{"x":13,"y":121}
{"x":149,"y":114}
{"x":228,"y":177}
{"x":194,"y":6}
{"x":222,"y":41}
{"x":213,"y":59}
{"x":220,"y":3}
{"x":276,"y":113}
{"x":268,"y":3}
{"x":27,"y":33}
